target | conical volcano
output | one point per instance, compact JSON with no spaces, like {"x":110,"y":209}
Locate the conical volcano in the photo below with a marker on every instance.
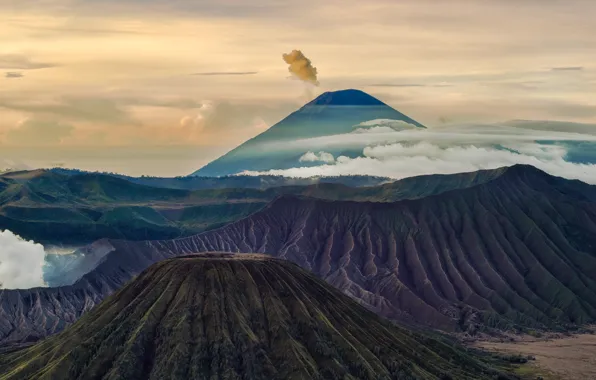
{"x":331,"y":113}
{"x":224,"y":316}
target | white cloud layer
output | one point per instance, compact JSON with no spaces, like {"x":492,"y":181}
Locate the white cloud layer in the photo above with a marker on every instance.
{"x":447,"y":150}
{"x":400,"y":161}
{"x":21,"y":262}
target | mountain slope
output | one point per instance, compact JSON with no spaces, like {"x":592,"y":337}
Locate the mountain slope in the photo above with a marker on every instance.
{"x":235,"y":181}
{"x":330,"y":114}
{"x":251,"y":317}
{"x":513,"y":250}
{"x":58,"y":208}
{"x":51,"y":207}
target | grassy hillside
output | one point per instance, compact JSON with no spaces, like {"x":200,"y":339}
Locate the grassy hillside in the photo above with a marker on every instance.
{"x":221,"y":316}
{"x":69,"y":208}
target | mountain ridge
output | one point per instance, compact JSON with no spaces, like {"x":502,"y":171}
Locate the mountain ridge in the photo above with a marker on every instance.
{"x":49,"y":207}
{"x":512,"y":253}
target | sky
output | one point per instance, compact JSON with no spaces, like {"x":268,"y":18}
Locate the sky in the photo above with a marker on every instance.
{"x":161,"y":87}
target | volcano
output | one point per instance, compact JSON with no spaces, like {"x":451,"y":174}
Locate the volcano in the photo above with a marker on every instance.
{"x":331,"y":113}
{"x":509,"y":249}
{"x":225,"y":316}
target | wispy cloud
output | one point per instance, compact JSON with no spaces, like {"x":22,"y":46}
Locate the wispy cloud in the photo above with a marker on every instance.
{"x":406,"y":85}
{"x":85,"y":109}
{"x":567,"y":68}
{"x":224,"y":73}
{"x":13,"y":75}
{"x":396,"y":85}
{"x":21,"y":62}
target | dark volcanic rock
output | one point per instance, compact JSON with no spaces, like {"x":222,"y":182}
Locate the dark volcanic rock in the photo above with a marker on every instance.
{"x":516,"y":250}
{"x":237,"y":317}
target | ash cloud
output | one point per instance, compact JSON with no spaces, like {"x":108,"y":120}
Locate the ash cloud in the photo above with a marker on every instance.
{"x":301,"y":67}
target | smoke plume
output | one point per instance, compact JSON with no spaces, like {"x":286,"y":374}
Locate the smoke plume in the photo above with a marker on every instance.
{"x":301,"y":67}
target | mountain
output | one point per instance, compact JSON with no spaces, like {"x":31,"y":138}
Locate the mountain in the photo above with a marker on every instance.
{"x":71,"y":207}
{"x":234,"y":181}
{"x":329,"y":114}
{"x":509,"y":249}
{"x":55,"y":208}
{"x":68,"y":207}
{"x":221,"y":316}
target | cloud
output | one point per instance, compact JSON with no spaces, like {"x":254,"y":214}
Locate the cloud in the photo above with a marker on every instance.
{"x":452,"y":149}
{"x":397,"y":85}
{"x":224,"y":73}
{"x":36,"y":131}
{"x":21,"y":262}
{"x":301,"y":67}
{"x":551,"y":125}
{"x":383,"y":126}
{"x":466,"y":134}
{"x":224,"y":117}
{"x":567,"y":68}
{"x":13,"y":75}
{"x":320,"y":157}
{"x":21,"y":62}
{"x":403,"y":160}
{"x":198,"y":121}
{"x":102,"y":110}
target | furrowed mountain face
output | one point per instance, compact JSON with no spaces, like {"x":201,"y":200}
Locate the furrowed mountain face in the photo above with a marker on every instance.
{"x":513,"y":248}
{"x":221,"y":316}
{"x":331,"y":113}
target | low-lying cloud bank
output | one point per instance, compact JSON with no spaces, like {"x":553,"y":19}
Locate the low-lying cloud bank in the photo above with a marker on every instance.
{"x":408,"y":153}
{"x":21,"y":262}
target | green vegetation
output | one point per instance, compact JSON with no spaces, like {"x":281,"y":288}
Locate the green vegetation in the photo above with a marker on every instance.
{"x":221,"y":316}
{"x":57,"y":208}
{"x":71,"y":207}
